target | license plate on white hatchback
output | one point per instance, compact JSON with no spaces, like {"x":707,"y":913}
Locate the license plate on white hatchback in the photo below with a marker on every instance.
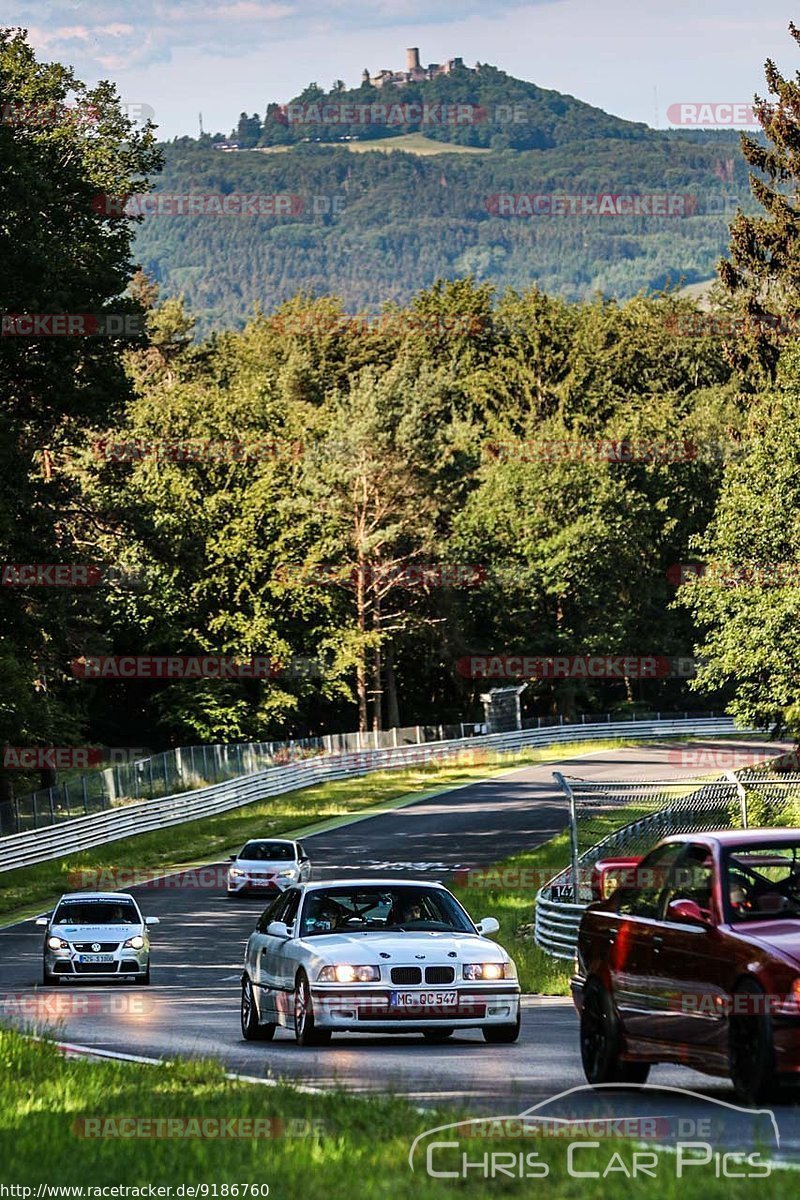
{"x":96,"y":958}
{"x":423,"y":999}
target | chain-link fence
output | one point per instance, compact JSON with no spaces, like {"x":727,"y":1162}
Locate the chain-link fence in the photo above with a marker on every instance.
{"x":626,"y":819}
{"x":189,"y":767}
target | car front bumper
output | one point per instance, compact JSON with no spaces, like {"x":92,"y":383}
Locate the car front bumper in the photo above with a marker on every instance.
{"x":369,"y":1009}
{"x":125,"y":962}
{"x":255,"y":886}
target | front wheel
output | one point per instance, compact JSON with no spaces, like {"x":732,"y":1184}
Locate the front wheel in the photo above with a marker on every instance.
{"x":48,"y":980}
{"x":600,"y":1041}
{"x":305,"y":1026}
{"x":502,"y":1035}
{"x":252,"y":1030}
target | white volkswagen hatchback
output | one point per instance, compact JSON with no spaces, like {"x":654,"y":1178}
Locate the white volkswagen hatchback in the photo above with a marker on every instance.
{"x":101,"y":935}
{"x":376,"y":956}
{"x":267,"y":865}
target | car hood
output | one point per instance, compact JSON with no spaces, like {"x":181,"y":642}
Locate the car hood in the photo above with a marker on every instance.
{"x":259,"y":865}
{"x":407,"y":948}
{"x":96,"y":933}
{"x":780,"y":934}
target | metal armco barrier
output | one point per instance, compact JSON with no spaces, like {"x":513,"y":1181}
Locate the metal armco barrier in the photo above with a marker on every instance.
{"x":82,"y":833}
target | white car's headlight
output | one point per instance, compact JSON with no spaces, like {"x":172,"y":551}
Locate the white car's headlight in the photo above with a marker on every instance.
{"x":135,"y":943}
{"x":489,"y":971}
{"x":57,"y":943}
{"x":235,"y":873}
{"x":291,"y":874}
{"x":344,"y":973}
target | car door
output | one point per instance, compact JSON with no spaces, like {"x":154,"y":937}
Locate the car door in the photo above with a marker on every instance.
{"x":260,"y":965}
{"x":689,"y":959}
{"x":631,"y":930}
{"x":275,"y":965}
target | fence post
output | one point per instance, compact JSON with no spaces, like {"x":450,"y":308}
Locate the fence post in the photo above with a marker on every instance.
{"x":741,"y":792}
{"x":85,"y":795}
{"x":573,"y":831}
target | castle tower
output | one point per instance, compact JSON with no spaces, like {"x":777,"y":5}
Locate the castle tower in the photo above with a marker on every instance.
{"x":412,"y":59}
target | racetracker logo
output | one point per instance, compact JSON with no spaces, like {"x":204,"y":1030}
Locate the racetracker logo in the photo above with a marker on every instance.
{"x":582,"y":666}
{"x":704,"y":114}
{"x":162,"y":666}
{"x":36,"y":1008}
{"x":729,"y":325}
{"x":195,"y":450}
{"x":602,"y":204}
{"x":67,"y":575}
{"x":733,"y":575}
{"x":599,"y":450}
{"x":382,"y":575}
{"x":398,"y":324}
{"x":110,"y":325}
{"x":50,"y":758}
{"x":193,"y":1128}
{"x":392,"y":115}
{"x":215,"y":204}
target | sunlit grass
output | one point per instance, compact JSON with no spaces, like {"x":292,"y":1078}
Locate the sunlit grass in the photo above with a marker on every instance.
{"x":330,"y":1146}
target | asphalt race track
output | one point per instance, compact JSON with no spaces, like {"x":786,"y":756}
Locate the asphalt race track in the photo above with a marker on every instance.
{"x":192,"y":1007}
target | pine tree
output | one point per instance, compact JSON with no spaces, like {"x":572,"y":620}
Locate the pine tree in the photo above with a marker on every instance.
{"x":762,"y":273}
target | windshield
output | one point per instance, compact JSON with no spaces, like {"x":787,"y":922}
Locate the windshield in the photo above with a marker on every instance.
{"x":764,"y":882}
{"x":96,"y":912}
{"x":268,"y":852}
{"x":396,"y":909}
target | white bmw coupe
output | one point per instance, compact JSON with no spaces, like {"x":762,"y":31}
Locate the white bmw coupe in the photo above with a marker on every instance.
{"x":376,"y":956}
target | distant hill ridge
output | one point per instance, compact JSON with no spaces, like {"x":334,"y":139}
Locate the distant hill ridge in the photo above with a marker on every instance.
{"x":479,"y":106}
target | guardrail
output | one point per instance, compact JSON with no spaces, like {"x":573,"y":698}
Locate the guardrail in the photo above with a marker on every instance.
{"x":83,"y":833}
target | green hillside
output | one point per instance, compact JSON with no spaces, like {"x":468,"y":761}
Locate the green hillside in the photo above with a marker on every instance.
{"x":377,"y":227}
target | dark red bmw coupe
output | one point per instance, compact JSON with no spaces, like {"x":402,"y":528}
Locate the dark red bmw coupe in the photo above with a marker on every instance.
{"x":695,"y":959}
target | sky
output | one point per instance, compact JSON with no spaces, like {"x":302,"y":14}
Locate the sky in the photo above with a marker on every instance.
{"x":633,"y":58}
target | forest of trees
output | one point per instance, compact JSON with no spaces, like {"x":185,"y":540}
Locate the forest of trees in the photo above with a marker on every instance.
{"x":372,"y":227}
{"x":365,"y":448}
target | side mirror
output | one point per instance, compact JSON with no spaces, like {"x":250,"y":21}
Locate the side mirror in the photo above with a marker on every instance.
{"x":488,"y":925}
{"x":152,"y":920}
{"x":277,"y":929}
{"x":688,"y":911}
{"x":43,"y":921}
{"x":232,"y":858}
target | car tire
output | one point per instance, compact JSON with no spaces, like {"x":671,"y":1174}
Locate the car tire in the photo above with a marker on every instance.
{"x":305,"y":1027}
{"x":751,"y":1051}
{"x":145,"y":981}
{"x":601,"y":1039}
{"x":502,"y":1035}
{"x":437,"y":1035}
{"x":252,"y":1029}
{"x":47,"y":979}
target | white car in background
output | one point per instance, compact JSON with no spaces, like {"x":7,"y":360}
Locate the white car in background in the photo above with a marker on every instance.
{"x":267,"y":865}
{"x":376,"y":956}
{"x":96,"y":935}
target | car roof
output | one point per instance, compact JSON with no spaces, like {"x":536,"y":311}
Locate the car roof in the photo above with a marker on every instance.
{"x":372,"y":882}
{"x":97,"y":896}
{"x":744,"y":838}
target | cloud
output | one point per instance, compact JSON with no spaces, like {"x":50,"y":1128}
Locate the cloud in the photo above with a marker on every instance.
{"x":112,"y":35}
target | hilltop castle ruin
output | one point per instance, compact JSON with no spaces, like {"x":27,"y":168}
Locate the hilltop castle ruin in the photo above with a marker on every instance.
{"x":414,"y":72}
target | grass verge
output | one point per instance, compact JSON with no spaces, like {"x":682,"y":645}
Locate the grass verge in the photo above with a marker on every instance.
{"x":322,"y":1146}
{"x":27,"y":889}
